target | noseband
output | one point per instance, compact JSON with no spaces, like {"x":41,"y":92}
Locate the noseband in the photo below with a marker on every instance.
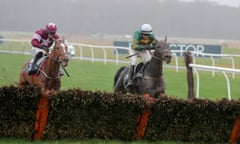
{"x":153,"y":56}
{"x":57,"y":58}
{"x":156,"y":55}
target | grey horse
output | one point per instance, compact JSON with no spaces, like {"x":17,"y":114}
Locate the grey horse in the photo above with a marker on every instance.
{"x":148,"y":78}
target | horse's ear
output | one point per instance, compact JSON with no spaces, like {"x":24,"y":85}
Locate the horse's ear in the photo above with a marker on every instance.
{"x":165,"y":40}
{"x":63,"y":38}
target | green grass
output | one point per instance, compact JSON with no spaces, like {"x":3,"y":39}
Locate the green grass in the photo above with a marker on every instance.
{"x":99,"y":77}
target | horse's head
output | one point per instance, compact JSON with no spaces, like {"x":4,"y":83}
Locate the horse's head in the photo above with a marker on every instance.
{"x":162,"y":51}
{"x":60,"y":52}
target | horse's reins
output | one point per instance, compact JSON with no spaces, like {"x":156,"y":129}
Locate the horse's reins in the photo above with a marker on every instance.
{"x":57,"y":60}
{"x":137,"y":54}
{"x":131,"y":55}
{"x":153,"y":56}
{"x":65,"y":70}
{"x":56,"y":76}
{"x":48,"y":76}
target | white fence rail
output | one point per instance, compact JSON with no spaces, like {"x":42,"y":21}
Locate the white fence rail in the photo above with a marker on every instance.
{"x":211,"y":56}
{"x":213,"y":68}
{"x":25,"y":49}
{"x":104,"y":49}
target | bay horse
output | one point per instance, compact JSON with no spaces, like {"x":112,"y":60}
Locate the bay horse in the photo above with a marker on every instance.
{"x":48,"y":79}
{"x":148,"y":78}
{"x":48,"y":76}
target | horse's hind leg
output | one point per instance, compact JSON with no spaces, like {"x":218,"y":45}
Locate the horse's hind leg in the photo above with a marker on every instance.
{"x":119,"y":87}
{"x":23,"y":84}
{"x":22,"y":80}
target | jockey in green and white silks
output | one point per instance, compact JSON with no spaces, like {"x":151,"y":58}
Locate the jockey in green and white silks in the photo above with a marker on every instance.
{"x":142,"y":38}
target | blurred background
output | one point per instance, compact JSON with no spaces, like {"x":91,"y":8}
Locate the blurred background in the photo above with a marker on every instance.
{"x":201,"y":19}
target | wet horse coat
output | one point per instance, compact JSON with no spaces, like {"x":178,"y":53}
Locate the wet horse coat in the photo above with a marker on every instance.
{"x":47,"y":78}
{"x":151,"y":82}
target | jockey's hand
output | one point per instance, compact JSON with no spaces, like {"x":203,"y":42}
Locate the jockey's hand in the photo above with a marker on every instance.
{"x":45,"y":48}
{"x":148,"y":47}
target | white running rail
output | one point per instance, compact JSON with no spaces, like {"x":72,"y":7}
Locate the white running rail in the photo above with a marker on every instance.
{"x":197,"y":67}
{"x":25,"y":49}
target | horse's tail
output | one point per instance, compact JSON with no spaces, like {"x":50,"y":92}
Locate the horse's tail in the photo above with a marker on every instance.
{"x":117,"y":74}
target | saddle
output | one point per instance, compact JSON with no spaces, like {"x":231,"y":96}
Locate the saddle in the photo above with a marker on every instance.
{"x":137,"y":74}
{"x":138,"y":71}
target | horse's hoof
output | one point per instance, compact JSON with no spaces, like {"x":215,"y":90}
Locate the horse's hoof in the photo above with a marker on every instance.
{"x":130,"y":89}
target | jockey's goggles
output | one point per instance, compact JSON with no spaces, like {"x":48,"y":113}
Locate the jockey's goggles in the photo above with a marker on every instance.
{"x":146,"y":34}
{"x":51,"y":33}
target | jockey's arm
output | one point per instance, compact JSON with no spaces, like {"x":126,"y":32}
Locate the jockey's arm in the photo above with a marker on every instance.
{"x":35,"y":43}
{"x":152,"y":45}
{"x":136,"y":46}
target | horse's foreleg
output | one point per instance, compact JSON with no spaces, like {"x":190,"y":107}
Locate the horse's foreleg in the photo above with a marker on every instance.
{"x":162,"y":87}
{"x":162,"y":94}
{"x":119,"y":87}
{"x":160,"y":91}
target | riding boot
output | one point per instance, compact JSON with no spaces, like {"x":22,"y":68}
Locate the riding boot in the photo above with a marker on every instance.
{"x":130,"y":76}
{"x":32,"y":69}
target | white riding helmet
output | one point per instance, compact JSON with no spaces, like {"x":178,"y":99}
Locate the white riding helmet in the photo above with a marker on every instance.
{"x":146,"y":29}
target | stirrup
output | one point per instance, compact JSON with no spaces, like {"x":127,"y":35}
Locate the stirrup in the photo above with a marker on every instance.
{"x":61,"y":73}
{"x":130,"y":83}
{"x":32,"y":70}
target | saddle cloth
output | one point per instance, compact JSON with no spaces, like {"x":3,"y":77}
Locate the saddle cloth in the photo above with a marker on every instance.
{"x":36,"y":66}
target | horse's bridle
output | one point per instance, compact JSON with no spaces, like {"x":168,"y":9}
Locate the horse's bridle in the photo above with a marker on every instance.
{"x":153,"y":56}
{"x":157,"y":57}
{"x":58,"y":60}
{"x":46,"y":76}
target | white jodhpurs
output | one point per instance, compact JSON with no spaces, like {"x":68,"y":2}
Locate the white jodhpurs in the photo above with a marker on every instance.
{"x":36,"y":50}
{"x":145,"y":55}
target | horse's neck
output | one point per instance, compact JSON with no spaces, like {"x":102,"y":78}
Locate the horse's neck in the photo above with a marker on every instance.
{"x":154,"y":68}
{"x":52,"y":67}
